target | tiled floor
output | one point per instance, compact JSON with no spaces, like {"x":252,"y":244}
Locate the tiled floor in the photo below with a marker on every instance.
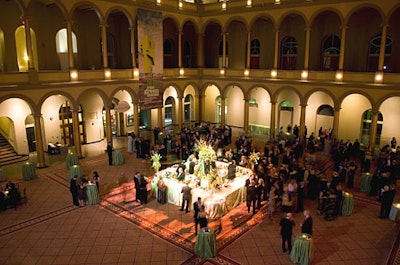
{"x":49,"y":230}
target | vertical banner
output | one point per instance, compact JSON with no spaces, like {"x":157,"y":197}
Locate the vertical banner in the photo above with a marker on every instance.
{"x":150,"y":37}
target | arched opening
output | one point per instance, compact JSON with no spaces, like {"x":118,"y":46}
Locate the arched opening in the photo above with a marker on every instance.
{"x":188,"y":61}
{"x":289,"y":53}
{"x":330,"y":53}
{"x":366,"y":128}
{"x":22,"y":53}
{"x":111,"y":50}
{"x":218,"y":103}
{"x":188,"y":108}
{"x":374,"y":50}
{"x":168,"y":53}
{"x":285,"y":114}
{"x":324,"y":118}
{"x":30,"y":133}
{"x":62,"y":47}
{"x":169,"y":108}
{"x":66,"y":124}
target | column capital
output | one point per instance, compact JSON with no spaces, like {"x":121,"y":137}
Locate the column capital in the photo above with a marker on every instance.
{"x":303,"y":105}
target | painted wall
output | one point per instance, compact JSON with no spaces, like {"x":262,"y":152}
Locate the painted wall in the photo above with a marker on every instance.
{"x":312,"y":121}
{"x":51,"y":119}
{"x":391,"y":122}
{"x":210,"y":107}
{"x":260,"y":115}
{"x":235,"y":105}
{"x":92,"y":106}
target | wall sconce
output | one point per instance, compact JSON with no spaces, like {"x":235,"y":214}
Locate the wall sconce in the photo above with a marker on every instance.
{"x":222,"y":71}
{"x":339,"y":76}
{"x":249,"y":3}
{"x":223,"y":6}
{"x":180,"y":5}
{"x":181,"y":71}
{"x":107,"y":74}
{"x":246,"y":72}
{"x":158,"y":2}
{"x":274,"y":73}
{"x":304,"y":75}
{"x":73,"y":74}
{"x":277,"y":2}
{"x":378,"y":78}
{"x":135,"y":73}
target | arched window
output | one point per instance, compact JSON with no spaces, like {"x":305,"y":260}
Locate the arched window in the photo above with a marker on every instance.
{"x":62,"y":47}
{"x":169,"y":111}
{"x":218,"y":101}
{"x":188,"y":108}
{"x":330,"y":53}
{"x":288,"y":53}
{"x":22,"y":54}
{"x":374,"y":50}
{"x":255,"y":54}
{"x":366,"y":128}
{"x":325,"y":110}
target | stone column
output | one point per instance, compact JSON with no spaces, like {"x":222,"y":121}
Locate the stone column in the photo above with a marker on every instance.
{"x":104,"y":45}
{"x":223,"y":111}
{"x":41,"y":162}
{"x":246,"y":115}
{"x":342,"y":46}
{"x":28,"y":40}
{"x":372,"y":131}
{"x":199,"y":105}
{"x":136,"y":118}
{"x":133,"y":47}
{"x":302,"y":120}
{"x":71,"y":63}
{"x":248,"y":50}
{"x":77,"y":136}
{"x":335,"y":130}
{"x":180,"y":49}
{"x":276,"y":49}
{"x":159,"y":118}
{"x":180,"y":113}
{"x":273,"y":120}
{"x":224,"y":50}
{"x":382,"y":50}
{"x":307,"y":49}
{"x":108,"y":124}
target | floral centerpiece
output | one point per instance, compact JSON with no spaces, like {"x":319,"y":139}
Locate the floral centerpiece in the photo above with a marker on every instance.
{"x":253,"y":159}
{"x":206,"y":158}
{"x":156,"y":164}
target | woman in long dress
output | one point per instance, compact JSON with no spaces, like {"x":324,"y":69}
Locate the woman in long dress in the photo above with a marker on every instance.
{"x":272,"y":201}
{"x":130,"y":143}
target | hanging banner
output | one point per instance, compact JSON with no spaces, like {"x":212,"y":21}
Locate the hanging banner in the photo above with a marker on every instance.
{"x":150,"y":38}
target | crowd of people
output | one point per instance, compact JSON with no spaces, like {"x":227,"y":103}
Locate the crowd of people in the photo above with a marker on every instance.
{"x":10,"y":196}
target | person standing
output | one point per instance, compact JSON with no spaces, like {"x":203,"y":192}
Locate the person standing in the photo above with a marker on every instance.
{"x":96,"y":179}
{"x":307,"y":225}
{"x":130,"y":143}
{"x":110,"y":152}
{"x":137,"y":188}
{"x":388,"y":194}
{"x":287,"y":224}
{"x":186,"y":191}
{"x":73,"y":188}
{"x":161,"y":188}
{"x":202,"y":217}
{"x":251,"y":196}
{"x":196,"y":207}
{"x":143,"y":190}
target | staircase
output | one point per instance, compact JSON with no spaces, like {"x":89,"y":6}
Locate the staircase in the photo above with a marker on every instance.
{"x":7,"y":153}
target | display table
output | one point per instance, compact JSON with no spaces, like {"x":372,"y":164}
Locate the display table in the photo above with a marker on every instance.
{"x":118,"y":157}
{"x":75,"y":170}
{"x":347,"y":204}
{"x":28,"y":171}
{"x":92,"y":195}
{"x":302,"y":250}
{"x":206,"y":245}
{"x":394,"y":214}
{"x":217,"y":202}
{"x":365,"y":182}
{"x":71,"y":160}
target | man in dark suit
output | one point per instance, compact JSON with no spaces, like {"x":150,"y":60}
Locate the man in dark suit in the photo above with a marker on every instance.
{"x":186,"y":191}
{"x":307,"y":225}
{"x":287,"y":224}
{"x":251,"y":196}
{"x":109,"y":152}
{"x":196,"y":207}
{"x":137,"y":188}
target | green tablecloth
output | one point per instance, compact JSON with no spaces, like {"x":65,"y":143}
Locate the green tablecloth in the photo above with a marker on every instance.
{"x":206,"y":245}
{"x":118,"y":157}
{"x":92,"y":195}
{"x":302,"y":250}
{"x":75,"y":171}
{"x":71,"y":160}
{"x":347,"y":204}
{"x":365,"y":182}
{"x":394,"y":214}
{"x":28,"y":171}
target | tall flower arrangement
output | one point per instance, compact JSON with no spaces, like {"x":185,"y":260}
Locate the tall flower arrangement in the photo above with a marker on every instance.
{"x":156,"y":164}
{"x":253,"y":159}
{"x":206,"y":157}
